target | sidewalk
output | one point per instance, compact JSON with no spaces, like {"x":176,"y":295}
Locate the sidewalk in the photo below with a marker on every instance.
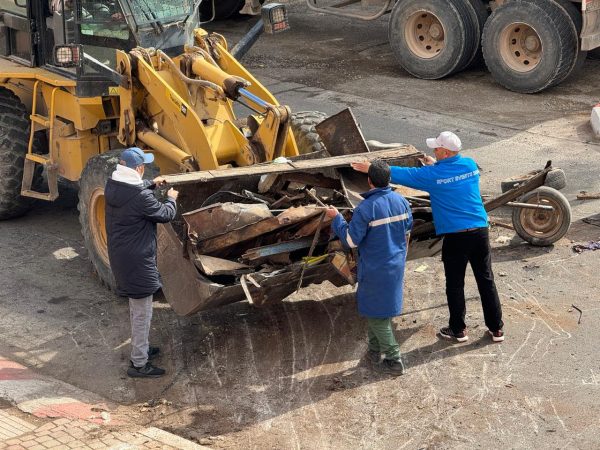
{"x":78,"y":419}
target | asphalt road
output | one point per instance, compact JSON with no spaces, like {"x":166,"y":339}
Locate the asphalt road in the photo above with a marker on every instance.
{"x":290,"y":376}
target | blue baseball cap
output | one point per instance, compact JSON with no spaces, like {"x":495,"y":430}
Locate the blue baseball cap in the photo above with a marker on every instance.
{"x":134,"y":157}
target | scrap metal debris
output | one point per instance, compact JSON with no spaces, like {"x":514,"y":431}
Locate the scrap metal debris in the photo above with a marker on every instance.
{"x":584,"y":195}
{"x":580,"y":313}
{"x":592,"y":245}
{"x":267,"y":235}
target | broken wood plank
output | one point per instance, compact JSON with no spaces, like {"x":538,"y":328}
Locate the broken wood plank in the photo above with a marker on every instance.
{"x":583,"y":195}
{"x":406,"y":152}
{"x":209,"y":265}
{"x":276,"y":249}
{"x":223,"y":241}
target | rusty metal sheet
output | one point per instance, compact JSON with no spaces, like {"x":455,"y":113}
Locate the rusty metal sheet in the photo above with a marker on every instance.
{"x":221,"y":218}
{"x":188,"y":292}
{"x":341,"y":134}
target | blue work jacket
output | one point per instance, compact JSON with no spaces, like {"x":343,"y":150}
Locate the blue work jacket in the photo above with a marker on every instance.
{"x":379,"y":228}
{"x":453,"y":186}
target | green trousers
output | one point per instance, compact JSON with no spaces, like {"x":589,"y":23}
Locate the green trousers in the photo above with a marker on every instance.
{"x":381,"y":338}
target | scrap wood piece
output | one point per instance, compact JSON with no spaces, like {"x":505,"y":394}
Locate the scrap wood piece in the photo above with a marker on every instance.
{"x":209,"y":265}
{"x":276,"y":249}
{"x":407,"y":153}
{"x":223,"y":241}
{"x":343,"y":267}
{"x":293,"y":215}
{"x":310,"y":227}
{"x":584,"y":195}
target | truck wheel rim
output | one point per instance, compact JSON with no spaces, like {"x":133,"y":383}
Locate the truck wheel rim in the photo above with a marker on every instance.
{"x":425,"y":35}
{"x":540,"y":223}
{"x":97,"y":224}
{"x":520,"y":47}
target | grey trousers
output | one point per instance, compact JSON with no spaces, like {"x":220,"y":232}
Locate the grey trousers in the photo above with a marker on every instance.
{"x":140,"y":315}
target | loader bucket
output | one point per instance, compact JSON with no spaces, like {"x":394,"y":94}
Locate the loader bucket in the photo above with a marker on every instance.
{"x":257,"y":233}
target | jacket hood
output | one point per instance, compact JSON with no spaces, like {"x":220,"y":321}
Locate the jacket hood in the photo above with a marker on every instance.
{"x":126,"y":175}
{"x":118,"y":193}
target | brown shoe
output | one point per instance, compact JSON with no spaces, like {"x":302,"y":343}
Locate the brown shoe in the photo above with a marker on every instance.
{"x":497,"y":336}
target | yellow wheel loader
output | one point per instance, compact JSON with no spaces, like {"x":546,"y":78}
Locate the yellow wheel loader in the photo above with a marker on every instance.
{"x":82,"y":79}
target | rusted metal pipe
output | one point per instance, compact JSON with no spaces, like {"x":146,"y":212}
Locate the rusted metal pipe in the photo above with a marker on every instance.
{"x":530,"y":206}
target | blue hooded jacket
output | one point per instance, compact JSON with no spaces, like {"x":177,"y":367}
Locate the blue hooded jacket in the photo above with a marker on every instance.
{"x":453,"y":186}
{"x":379,"y":228}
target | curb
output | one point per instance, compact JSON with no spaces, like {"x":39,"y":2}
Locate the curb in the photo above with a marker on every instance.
{"x":73,"y":409}
{"x":595,"y":120}
{"x":46,"y":397}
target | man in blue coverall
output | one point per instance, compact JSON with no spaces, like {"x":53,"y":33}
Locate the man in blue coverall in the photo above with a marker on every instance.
{"x":380,"y":228}
{"x":459,"y":215}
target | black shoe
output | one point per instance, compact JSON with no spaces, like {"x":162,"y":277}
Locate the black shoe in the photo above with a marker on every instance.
{"x":391,"y":366}
{"x":147,"y":371}
{"x":153,"y":352}
{"x":373,"y":356}
{"x":450,"y":335}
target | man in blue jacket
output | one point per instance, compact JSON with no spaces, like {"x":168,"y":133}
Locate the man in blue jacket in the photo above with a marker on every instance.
{"x":132,"y":212}
{"x":380,"y":229}
{"x":459,"y":215}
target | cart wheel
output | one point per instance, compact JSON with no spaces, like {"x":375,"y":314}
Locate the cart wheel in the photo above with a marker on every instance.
{"x":539,"y":227}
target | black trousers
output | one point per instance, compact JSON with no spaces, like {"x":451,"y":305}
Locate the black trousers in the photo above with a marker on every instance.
{"x":470,"y":247}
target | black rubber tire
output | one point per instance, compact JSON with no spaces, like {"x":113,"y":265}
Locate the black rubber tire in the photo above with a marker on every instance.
{"x":575,"y":14}
{"x":556,"y":32}
{"x":557,"y":224}
{"x":303,"y":126}
{"x":14,"y":140}
{"x":481,"y":13}
{"x":556,"y":179}
{"x":224,"y":9}
{"x":96,"y":173}
{"x":460,"y":30}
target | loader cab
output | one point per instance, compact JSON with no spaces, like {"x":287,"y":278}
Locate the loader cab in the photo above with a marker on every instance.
{"x":79,"y":38}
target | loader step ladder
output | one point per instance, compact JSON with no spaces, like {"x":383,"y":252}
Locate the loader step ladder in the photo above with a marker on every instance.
{"x":31,"y":159}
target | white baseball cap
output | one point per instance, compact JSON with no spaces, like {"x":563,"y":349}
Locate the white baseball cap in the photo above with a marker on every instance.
{"x":446,"y":139}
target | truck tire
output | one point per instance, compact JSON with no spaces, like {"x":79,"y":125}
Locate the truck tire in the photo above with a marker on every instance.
{"x":432,"y":39}
{"x":14,"y":140}
{"x":224,"y":9}
{"x":513,"y":39}
{"x":481,"y":13}
{"x":556,"y":179}
{"x":575,"y":15}
{"x":542,"y":228}
{"x":91,"y":208}
{"x":305,"y":133}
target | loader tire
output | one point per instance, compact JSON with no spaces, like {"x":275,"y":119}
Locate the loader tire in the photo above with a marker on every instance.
{"x":542,"y":228}
{"x":513,"y":39}
{"x":305,"y":133}
{"x":14,"y":140}
{"x":432,"y":39}
{"x":223,"y":9}
{"x":91,"y":208}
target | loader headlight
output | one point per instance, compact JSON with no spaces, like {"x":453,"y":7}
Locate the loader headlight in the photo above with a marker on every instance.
{"x":274,"y":16}
{"x":67,"y":55}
